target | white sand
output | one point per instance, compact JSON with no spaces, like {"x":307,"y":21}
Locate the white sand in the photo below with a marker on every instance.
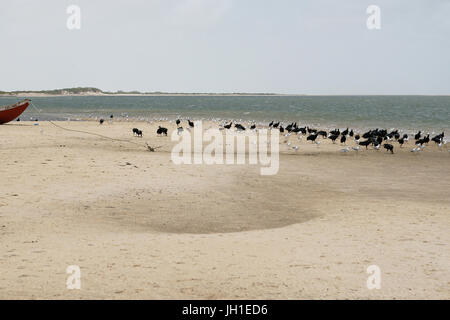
{"x":155,"y":230}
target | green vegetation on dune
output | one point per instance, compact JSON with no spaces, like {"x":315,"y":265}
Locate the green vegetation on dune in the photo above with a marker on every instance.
{"x":96,"y":91}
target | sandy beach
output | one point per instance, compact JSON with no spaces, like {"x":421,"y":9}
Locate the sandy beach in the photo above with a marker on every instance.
{"x":141,"y":227}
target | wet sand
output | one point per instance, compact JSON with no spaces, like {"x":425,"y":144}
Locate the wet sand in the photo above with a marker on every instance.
{"x":141,"y":227}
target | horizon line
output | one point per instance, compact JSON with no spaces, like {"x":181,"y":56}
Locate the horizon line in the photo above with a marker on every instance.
{"x":93,"y":91}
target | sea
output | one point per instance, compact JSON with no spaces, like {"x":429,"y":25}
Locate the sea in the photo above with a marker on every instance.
{"x":409,"y":113}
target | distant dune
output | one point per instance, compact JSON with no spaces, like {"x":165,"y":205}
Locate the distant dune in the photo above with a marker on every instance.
{"x":91,"y":91}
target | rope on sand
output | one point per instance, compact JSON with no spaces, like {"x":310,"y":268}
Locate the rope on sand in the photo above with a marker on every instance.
{"x":149,"y":148}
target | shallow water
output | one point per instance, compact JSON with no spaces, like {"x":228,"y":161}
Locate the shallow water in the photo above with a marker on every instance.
{"x":406,"y":112}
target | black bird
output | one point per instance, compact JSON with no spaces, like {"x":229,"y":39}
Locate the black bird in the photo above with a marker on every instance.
{"x":161,"y":131}
{"x":253,"y":127}
{"x":178,"y":122}
{"x":281,"y":129}
{"x":351,"y":133}
{"x":393,"y":132}
{"x":333,"y":137}
{"x":111,"y":116}
{"x":239,"y":126}
{"x":343,"y":139}
{"x":367,"y":134}
{"x":379,"y":140}
{"x":101,"y":121}
{"x":389,"y":147}
{"x":228,"y":126}
{"x":357,"y":137}
{"x":405,"y":136}
{"x":417,"y":136}
{"x":345,"y":132}
{"x":335,"y":132}
{"x":270,"y":124}
{"x":438,"y":139}
{"x":423,"y":140}
{"x":312,"y":137}
{"x":289,"y":127}
{"x":137,"y":132}
{"x":275,"y":125}
{"x":401,"y":141}
{"x":311,"y":130}
{"x":18,"y":119}
{"x":322,"y":133}
{"x":365,"y":143}
{"x":191,"y":124}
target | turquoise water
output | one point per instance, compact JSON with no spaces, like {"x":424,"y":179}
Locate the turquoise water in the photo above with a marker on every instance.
{"x":406,"y":112}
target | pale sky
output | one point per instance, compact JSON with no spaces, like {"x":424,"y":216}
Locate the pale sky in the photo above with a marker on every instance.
{"x":283,"y":46}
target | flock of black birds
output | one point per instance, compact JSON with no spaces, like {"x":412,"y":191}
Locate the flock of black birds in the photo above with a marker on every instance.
{"x":375,"y":138}
{"x":161,"y":131}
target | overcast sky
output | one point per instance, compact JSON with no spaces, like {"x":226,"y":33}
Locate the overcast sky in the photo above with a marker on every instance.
{"x":284,"y":46}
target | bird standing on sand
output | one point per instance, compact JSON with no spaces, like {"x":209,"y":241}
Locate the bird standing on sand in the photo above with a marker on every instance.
{"x":191,"y":124}
{"x":312,"y":137}
{"x":365,"y":143}
{"x":417,"y":136}
{"x":333,"y":137}
{"x":389,"y":147}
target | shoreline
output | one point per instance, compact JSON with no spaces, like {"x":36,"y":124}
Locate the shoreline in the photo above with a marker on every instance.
{"x":38,"y":95}
{"x":169,"y":120}
{"x":286,"y":141}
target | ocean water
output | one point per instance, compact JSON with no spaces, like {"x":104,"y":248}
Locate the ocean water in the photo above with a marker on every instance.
{"x":404,"y":112}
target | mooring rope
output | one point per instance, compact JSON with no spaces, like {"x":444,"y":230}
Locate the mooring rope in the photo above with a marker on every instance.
{"x":95,"y":134}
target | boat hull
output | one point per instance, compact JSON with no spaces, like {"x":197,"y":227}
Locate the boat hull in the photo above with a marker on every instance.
{"x":10,"y":113}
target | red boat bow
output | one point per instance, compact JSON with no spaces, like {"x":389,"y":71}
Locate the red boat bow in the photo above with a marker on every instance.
{"x":11,"y":112}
